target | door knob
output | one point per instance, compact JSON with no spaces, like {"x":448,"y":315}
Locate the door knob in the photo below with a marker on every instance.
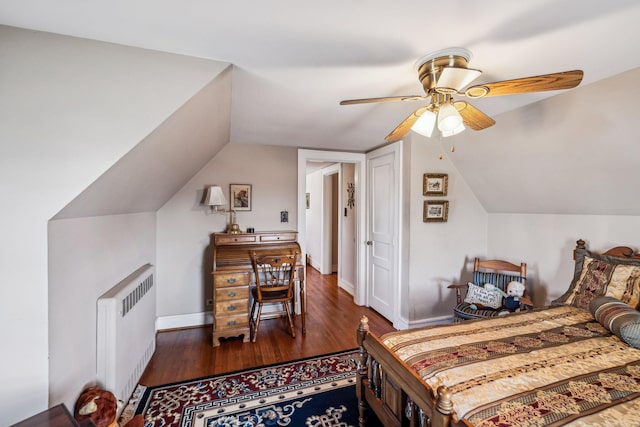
{"x":369,"y":242}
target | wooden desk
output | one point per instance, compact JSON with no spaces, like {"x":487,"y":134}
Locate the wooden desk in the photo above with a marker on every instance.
{"x":233,"y":274}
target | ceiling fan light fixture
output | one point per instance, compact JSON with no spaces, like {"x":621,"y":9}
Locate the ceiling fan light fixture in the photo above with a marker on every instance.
{"x":425,"y":124}
{"x":448,"y":118}
{"x":446,"y":133}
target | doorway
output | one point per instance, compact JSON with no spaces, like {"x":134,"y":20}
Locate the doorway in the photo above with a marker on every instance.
{"x":357,"y":160}
{"x":362,"y":289}
{"x":331,"y":221}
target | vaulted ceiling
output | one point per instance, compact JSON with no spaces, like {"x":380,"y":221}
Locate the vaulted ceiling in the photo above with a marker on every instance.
{"x":294,"y":61}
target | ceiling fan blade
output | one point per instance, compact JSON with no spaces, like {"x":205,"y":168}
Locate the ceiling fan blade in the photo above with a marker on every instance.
{"x":472,"y":117}
{"x":384,"y":99}
{"x":554,"y":81}
{"x":405,"y":126}
{"x":454,"y":79}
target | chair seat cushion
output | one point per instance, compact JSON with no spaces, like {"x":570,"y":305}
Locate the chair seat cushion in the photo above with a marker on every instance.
{"x":464,"y":311}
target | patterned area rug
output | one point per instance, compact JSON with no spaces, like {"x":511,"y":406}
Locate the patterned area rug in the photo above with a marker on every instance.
{"x":319,"y":391}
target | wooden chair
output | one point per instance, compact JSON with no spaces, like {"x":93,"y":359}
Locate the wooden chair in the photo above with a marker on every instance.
{"x":274,"y":276}
{"x":497,"y":272}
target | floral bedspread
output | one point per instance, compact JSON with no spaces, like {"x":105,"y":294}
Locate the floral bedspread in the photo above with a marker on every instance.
{"x":549,"y":367}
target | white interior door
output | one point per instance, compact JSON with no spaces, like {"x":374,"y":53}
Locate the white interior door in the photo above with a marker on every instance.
{"x":382,"y":226}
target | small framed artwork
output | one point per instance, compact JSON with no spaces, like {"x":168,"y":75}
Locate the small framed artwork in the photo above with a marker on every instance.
{"x":240,"y":197}
{"x":435,"y":211}
{"x":435,"y":184}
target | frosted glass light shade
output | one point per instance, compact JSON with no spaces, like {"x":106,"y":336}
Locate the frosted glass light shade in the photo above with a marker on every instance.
{"x":452,"y":132}
{"x":425,"y":124}
{"x":215,"y":196}
{"x":448,"y":118}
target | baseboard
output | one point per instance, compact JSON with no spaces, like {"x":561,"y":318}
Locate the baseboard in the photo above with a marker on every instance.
{"x":430,"y":322}
{"x":347,"y":286}
{"x":183,"y":321}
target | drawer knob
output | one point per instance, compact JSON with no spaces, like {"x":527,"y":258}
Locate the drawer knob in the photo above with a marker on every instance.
{"x":231,"y":323}
{"x":231,"y":280}
{"x":231,"y":294}
{"x":231,"y":308}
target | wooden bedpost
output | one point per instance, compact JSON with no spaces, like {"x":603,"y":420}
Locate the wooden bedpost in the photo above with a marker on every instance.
{"x":361,"y":372}
{"x":444,"y":407}
{"x":580,"y":244}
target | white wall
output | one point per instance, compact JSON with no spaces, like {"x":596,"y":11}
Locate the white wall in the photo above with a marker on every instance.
{"x":347,"y":272}
{"x":69,"y":109}
{"x":314,"y":218}
{"x":546,"y":243}
{"x":185,"y":225}
{"x":438,"y":251}
{"x":87,"y":257}
{"x":575,"y":153}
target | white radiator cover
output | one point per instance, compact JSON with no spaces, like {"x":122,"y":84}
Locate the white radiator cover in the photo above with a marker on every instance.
{"x":126,"y":334}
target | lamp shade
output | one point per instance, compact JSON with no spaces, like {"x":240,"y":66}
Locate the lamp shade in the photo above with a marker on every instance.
{"x":215,"y":196}
{"x":455,"y":131}
{"x":425,"y":124}
{"x":448,"y":118}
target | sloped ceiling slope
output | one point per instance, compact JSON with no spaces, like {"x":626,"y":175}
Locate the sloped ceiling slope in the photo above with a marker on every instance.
{"x":574,"y":153}
{"x":147,"y":176}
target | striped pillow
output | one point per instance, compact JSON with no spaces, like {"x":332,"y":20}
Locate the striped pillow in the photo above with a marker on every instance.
{"x":618,"y":317}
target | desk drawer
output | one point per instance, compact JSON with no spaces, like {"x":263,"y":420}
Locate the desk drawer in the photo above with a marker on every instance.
{"x":231,"y":322}
{"x":234,"y":307}
{"x":226,"y":294}
{"x":234,"y":238}
{"x":230,"y":279}
{"x":279,"y":237}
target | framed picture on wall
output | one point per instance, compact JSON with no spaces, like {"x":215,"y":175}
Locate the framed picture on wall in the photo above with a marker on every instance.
{"x":435,"y":211}
{"x":240,"y":195}
{"x":435,"y":184}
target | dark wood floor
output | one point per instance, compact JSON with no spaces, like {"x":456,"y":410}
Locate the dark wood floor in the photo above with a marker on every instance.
{"x":332,"y":320}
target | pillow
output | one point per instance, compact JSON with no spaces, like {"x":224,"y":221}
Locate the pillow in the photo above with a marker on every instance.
{"x":621,"y":319}
{"x":599,"y":275}
{"x":483,"y":296}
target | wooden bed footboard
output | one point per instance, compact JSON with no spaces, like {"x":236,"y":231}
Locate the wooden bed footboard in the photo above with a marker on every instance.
{"x":395,"y":393}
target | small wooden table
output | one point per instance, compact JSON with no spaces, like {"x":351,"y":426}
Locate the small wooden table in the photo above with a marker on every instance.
{"x":232,"y":275}
{"x":56,"y":416}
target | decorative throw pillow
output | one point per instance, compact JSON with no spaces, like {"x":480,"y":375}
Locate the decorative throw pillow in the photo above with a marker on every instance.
{"x":619,"y":318}
{"x":598,"y":275}
{"x":486,"y":297}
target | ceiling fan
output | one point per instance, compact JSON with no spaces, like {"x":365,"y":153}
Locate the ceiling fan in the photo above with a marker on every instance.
{"x":444,"y":74}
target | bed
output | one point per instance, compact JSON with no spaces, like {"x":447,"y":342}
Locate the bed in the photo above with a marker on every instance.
{"x":575,"y":362}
